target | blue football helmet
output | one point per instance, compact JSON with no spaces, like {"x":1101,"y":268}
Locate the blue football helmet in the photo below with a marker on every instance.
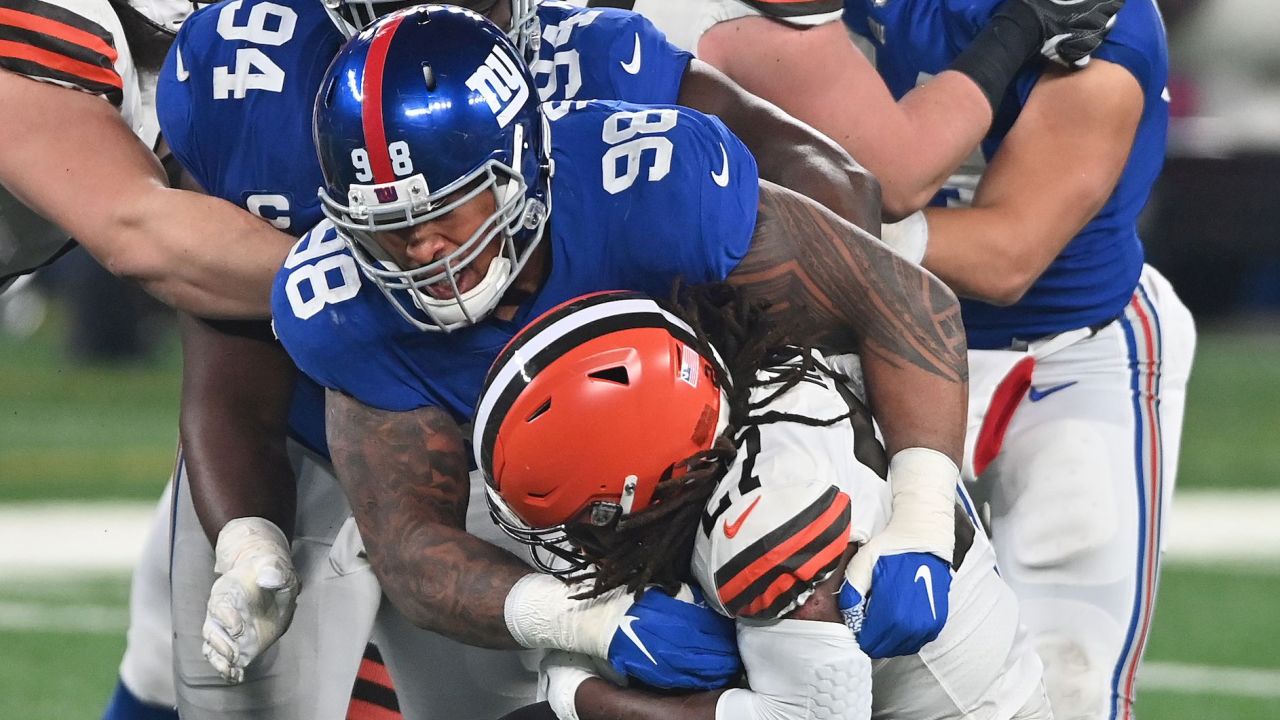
{"x":418,"y":114}
{"x":352,"y":16}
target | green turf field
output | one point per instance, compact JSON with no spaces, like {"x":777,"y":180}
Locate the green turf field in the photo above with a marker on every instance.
{"x":73,"y":433}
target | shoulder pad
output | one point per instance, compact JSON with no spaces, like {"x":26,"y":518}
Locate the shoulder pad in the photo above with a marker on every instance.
{"x":763,"y":554}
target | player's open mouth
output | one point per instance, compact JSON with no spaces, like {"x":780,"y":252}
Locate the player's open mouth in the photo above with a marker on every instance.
{"x":444,"y":291}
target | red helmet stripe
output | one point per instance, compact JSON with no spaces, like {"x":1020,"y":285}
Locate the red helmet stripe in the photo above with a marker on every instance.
{"x":375,"y":133}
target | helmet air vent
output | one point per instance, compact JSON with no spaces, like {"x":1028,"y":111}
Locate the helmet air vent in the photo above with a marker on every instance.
{"x":429,"y":76}
{"x":542,"y":409}
{"x":616,"y":374}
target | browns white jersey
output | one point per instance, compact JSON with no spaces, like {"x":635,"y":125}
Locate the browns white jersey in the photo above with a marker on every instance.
{"x":808,"y":480}
{"x":76,"y":44}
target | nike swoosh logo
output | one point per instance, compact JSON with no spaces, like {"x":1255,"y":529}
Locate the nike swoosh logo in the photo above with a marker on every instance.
{"x":732,"y":528}
{"x":625,"y":626}
{"x":633,"y":66}
{"x":1038,"y":395}
{"x":722,"y":178}
{"x":181,"y":71}
{"x":923,"y":573}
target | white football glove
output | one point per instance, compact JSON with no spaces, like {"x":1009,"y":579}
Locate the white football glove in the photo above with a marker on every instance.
{"x":909,"y":237}
{"x":562,"y":673}
{"x":252,"y":603}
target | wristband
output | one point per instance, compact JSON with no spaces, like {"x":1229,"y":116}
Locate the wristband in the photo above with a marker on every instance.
{"x":924,"y":500}
{"x":994,"y":58}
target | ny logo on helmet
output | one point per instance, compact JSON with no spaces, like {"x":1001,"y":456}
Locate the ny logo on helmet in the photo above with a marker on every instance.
{"x":501,"y":84}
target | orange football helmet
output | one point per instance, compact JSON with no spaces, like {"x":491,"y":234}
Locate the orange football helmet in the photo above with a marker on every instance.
{"x":585,"y":411}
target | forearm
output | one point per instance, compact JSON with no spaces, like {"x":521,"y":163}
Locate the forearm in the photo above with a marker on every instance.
{"x":982,"y":253}
{"x":911,"y":146}
{"x":599,"y":699}
{"x":91,"y":176}
{"x":405,"y":475}
{"x":193,"y":252}
{"x":237,"y":385}
{"x":1074,"y":135}
{"x":446,"y":580}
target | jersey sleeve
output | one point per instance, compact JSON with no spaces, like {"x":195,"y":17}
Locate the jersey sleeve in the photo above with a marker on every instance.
{"x":646,"y":68}
{"x":175,"y":99}
{"x":337,"y":328}
{"x":1135,"y":43}
{"x":686,"y":196}
{"x":76,"y":44}
{"x":761,"y":553}
{"x":798,"y":493}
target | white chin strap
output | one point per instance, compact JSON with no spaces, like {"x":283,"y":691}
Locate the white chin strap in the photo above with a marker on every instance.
{"x":479,"y":301}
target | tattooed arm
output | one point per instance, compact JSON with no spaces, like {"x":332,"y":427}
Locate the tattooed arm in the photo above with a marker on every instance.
{"x":405,"y":474}
{"x":836,"y":286}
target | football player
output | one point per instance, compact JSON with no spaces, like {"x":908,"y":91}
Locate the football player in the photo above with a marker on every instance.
{"x":221,"y":106}
{"x":459,"y":208}
{"x":617,"y":441}
{"x":1054,"y":284}
{"x":79,"y":129}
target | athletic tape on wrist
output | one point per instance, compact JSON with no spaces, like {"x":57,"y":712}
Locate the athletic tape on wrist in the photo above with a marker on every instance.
{"x":540,"y":613}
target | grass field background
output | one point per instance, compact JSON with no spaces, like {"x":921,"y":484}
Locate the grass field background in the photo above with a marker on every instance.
{"x":84,"y":434}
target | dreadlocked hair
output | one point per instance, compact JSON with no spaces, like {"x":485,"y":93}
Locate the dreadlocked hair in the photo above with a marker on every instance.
{"x":654,"y":546}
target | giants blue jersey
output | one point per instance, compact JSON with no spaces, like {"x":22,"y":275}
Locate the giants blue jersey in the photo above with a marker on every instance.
{"x":236,"y":92}
{"x":680,"y":202}
{"x":1095,"y":275}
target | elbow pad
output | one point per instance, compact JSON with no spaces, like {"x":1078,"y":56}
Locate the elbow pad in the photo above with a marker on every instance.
{"x":800,"y":670}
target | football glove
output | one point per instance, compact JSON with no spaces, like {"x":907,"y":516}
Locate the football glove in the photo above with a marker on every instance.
{"x":252,"y":603}
{"x":1073,"y":29}
{"x":561,"y":674}
{"x":676,"y":643}
{"x":907,"y":606}
{"x":904,"y":572}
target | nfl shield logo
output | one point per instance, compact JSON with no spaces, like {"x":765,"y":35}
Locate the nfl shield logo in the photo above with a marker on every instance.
{"x":386,"y":194}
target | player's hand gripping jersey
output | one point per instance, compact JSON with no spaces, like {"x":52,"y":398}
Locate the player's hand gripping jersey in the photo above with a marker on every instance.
{"x":809,"y":478}
{"x":236,"y":93}
{"x":640,"y":196}
{"x":801,"y":489}
{"x":576,"y":430}
{"x":76,"y":44}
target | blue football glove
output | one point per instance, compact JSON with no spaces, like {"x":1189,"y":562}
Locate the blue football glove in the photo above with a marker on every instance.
{"x":676,"y":643}
{"x":905,"y":608}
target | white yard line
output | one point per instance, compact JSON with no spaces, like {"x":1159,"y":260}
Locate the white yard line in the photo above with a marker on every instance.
{"x":1240,"y":528}
{"x":63,"y":538}
{"x":1211,"y":527}
{"x":73,"y":619}
{"x":1183,"y":679}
